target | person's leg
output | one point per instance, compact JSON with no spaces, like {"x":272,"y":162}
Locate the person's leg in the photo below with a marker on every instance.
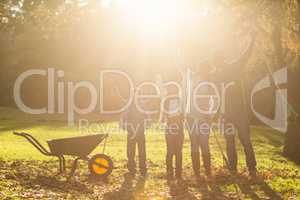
{"x":131,"y":147}
{"x":195,"y":154}
{"x":231,"y":151}
{"x":142,"y":152}
{"x":179,"y":156}
{"x":178,"y":148}
{"x":169,"y":156}
{"x":229,"y":134}
{"x":244,"y":136}
{"x":204,"y":134}
{"x":205,"y":151}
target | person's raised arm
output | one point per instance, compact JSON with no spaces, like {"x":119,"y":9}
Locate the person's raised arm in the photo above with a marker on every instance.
{"x":240,"y":63}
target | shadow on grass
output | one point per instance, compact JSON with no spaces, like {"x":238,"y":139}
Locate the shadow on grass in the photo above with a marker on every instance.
{"x":127,"y":189}
{"x":245,"y":187}
{"x":208,"y":190}
{"x":54,"y":184}
{"x":211,"y":191}
{"x":241,"y":187}
{"x":179,"y":190}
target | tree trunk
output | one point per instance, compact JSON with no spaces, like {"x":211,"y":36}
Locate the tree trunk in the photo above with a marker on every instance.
{"x":278,"y":58}
{"x":292,"y":143}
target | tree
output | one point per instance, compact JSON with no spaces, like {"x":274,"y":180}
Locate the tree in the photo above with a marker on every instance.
{"x":292,"y":142}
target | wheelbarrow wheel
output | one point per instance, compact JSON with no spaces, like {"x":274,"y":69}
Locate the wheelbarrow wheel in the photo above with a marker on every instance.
{"x":100,"y":165}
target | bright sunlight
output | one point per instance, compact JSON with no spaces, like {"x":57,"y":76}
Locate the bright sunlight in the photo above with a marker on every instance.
{"x":156,"y":16}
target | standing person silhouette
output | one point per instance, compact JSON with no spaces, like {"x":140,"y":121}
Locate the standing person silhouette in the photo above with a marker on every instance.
{"x":236,"y":110}
{"x":174,"y":137}
{"x":190,"y":112}
{"x":134,"y":120}
{"x":198,"y":118}
{"x":173,"y":115}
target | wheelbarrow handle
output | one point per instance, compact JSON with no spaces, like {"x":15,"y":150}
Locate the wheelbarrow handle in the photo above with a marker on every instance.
{"x":34,"y":142}
{"x":18,"y":133}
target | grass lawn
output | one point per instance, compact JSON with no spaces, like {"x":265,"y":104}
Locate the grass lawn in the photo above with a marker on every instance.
{"x":25,"y":173}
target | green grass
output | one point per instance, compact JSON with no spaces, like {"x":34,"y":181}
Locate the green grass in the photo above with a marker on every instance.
{"x":25,"y":173}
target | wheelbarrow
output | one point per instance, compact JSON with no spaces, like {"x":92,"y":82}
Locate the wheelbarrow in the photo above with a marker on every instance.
{"x":100,"y":165}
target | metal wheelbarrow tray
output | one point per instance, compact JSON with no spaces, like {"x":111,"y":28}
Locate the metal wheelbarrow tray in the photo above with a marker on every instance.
{"x":80,"y":147}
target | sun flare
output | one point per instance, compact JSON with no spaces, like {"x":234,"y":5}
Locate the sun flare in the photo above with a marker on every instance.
{"x":157,"y":16}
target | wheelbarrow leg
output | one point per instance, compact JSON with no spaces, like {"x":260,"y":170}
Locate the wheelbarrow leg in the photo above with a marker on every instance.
{"x":74,"y":166}
{"x":61,"y":164}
